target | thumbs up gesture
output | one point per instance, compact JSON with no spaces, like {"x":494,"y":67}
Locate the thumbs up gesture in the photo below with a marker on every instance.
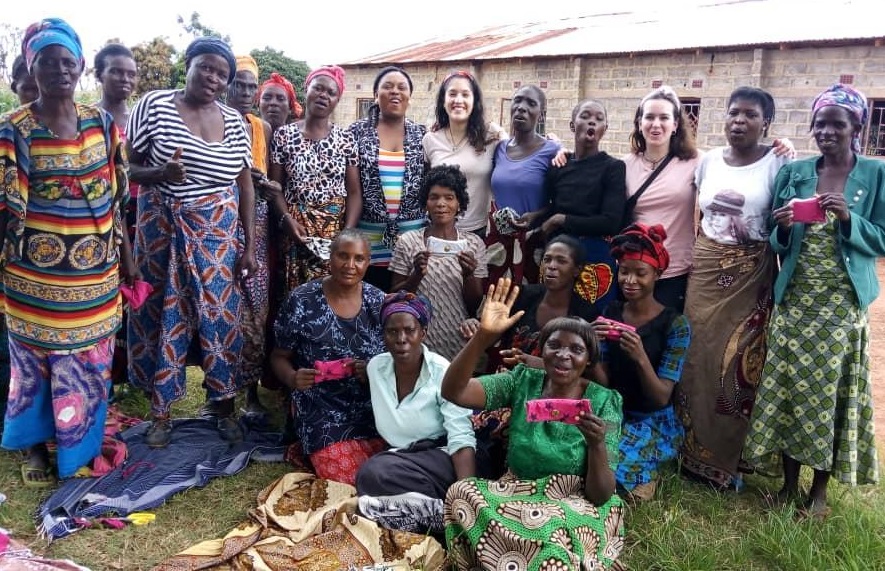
{"x":173,"y":170}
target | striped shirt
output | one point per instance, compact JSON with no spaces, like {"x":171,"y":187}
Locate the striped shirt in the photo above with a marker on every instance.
{"x":156,"y":130}
{"x":392,"y":170}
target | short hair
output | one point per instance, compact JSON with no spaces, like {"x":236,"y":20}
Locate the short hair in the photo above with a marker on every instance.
{"x":19,"y":72}
{"x":578,"y":252}
{"x":110,"y":50}
{"x":446,"y":176}
{"x":477,"y":130}
{"x":387,"y":70}
{"x":682,"y":143}
{"x":579,"y":327}
{"x":758,"y":96}
{"x":542,"y":97}
{"x":349,"y":234}
{"x":585,"y":102}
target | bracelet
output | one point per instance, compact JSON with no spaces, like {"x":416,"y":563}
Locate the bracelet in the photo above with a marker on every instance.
{"x":283,"y":219}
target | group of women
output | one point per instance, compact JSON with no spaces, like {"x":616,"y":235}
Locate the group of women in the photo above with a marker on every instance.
{"x":411,"y":260}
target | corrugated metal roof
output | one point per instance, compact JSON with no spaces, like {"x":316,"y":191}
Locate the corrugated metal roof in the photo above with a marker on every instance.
{"x":739,"y":23}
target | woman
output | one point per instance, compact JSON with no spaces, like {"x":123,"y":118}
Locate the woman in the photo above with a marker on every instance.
{"x":520,"y":165}
{"x":661,"y":129}
{"x":813,"y":405}
{"x":557,"y":504}
{"x":192,"y":157}
{"x":62,"y":196}
{"x":23,"y":84}
{"x":453,"y":282}
{"x":391,"y":161}
{"x":277,"y":101}
{"x":432,"y":442}
{"x":333,"y":318}
{"x":643,"y":362}
{"x":586,"y":199}
{"x":729,"y":292}
{"x":315,"y":162}
{"x":461,"y":136}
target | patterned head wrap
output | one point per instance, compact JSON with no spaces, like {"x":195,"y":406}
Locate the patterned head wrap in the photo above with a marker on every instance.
{"x":51,"y":32}
{"x":403,"y":301}
{"x":247,"y":63}
{"x":643,"y":243}
{"x":847,"y":98}
{"x":214,"y":46}
{"x":333,"y":71}
{"x":286,"y":85}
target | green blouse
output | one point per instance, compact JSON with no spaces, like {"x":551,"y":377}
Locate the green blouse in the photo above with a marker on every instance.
{"x":539,"y":449}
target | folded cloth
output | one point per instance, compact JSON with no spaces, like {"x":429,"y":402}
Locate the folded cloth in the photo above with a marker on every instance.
{"x":333,"y":370}
{"x":137,"y":293}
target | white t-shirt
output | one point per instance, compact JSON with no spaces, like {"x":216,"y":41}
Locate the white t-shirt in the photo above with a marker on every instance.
{"x":735,"y":202}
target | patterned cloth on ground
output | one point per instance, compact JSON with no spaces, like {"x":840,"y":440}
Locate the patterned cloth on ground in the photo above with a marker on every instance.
{"x":15,"y":556}
{"x":304,"y":522}
{"x":149,"y":477}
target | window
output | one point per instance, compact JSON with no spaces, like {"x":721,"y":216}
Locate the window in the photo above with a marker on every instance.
{"x":362,"y":107}
{"x":692,"y":109}
{"x":875,"y":136}
{"x":505,"y":118}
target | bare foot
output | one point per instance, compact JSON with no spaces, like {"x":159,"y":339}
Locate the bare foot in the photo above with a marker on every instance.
{"x":813,"y":509}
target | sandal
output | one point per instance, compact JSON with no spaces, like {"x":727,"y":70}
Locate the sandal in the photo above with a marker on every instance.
{"x":159,"y":434}
{"x":38,"y":478}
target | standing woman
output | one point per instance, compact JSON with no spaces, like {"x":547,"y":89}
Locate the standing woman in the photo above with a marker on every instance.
{"x":661,"y":129}
{"x":65,"y":250}
{"x":814,"y":406}
{"x":23,"y":84}
{"x":729,"y":291}
{"x":521,"y":164}
{"x":192,"y":157}
{"x":462,"y":137}
{"x":315,"y":162}
{"x":277,"y":101}
{"x":391,"y":161}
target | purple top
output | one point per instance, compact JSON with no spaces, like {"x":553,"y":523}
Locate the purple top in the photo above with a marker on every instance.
{"x":519,"y":184}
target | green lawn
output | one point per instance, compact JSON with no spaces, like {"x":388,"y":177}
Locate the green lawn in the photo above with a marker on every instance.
{"x":687,"y":527}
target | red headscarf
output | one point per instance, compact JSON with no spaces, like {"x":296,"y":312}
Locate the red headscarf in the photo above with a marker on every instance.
{"x":333,"y":71}
{"x":286,"y":85}
{"x":643,"y":243}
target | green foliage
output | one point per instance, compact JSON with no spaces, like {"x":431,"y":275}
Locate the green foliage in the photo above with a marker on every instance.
{"x":198,"y":29}
{"x":8,"y":100}
{"x":155,"y":65}
{"x":270,"y":60}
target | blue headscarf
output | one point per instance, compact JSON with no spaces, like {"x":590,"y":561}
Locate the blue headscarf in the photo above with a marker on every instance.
{"x":214,"y":46}
{"x":50,"y":32}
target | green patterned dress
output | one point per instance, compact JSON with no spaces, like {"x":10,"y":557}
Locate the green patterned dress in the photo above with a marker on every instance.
{"x":536,"y":517}
{"x":814,"y":402}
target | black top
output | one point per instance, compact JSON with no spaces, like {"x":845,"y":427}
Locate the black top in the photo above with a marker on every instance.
{"x":591,"y":192}
{"x":524,"y":335}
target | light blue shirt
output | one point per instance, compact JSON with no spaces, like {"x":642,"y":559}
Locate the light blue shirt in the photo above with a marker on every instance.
{"x":423,"y":414}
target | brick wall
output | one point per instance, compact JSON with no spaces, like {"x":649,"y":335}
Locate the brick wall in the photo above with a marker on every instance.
{"x":793,"y":76}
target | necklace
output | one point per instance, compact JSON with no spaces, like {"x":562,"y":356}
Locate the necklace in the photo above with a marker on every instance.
{"x":653,"y":162}
{"x":451,"y":139}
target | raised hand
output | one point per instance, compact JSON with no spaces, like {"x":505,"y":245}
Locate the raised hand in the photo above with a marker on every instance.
{"x":496,"y":318}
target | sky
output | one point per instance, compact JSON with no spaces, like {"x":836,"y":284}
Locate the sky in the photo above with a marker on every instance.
{"x":318,"y":32}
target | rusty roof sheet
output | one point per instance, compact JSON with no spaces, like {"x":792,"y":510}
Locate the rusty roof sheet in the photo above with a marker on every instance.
{"x":717,"y":24}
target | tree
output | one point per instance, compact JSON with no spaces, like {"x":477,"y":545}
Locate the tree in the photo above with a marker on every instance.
{"x":10,"y":46}
{"x":155,"y":65}
{"x":270,"y":60}
{"x":198,"y":29}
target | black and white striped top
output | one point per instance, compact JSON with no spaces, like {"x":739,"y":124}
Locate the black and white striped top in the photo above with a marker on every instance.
{"x":156,"y":130}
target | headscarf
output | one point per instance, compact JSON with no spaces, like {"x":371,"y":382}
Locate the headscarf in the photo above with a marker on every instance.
{"x":333,"y":71}
{"x":286,"y":85}
{"x":247,"y":63}
{"x":51,"y":32}
{"x":403,"y":301}
{"x":847,"y":98}
{"x":214,"y":46}
{"x":643,"y":243}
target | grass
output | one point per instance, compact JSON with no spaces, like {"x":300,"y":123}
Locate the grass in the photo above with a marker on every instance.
{"x":688,"y":527}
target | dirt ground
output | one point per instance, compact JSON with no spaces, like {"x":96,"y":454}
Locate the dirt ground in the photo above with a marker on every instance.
{"x":877,"y":356}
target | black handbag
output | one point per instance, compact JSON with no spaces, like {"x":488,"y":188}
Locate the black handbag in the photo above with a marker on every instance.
{"x":630,"y":205}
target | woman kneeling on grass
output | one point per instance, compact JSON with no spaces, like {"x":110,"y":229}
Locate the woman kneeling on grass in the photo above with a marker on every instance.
{"x":557,"y":504}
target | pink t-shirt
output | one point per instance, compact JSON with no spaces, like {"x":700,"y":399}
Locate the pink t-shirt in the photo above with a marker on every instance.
{"x":670,"y":201}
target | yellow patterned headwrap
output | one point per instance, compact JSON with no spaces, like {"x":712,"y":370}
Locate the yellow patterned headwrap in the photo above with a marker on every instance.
{"x":247,"y":63}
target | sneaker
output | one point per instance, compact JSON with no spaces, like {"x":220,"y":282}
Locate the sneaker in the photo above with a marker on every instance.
{"x":159,"y":434}
{"x":230,"y":430}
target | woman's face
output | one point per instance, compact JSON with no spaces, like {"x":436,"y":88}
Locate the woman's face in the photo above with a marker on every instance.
{"x":322,"y":96}
{"x":274,"y":105}
{"x":442,"y":205}
{"x":349,"y":262}
{"x":207,"y":77}
{"x":393,"y":94}
{"x":558,"y":268}
{"x":403,"y":336}
{"x":636,"y":279}
{"x":565,"y":357}
{"x":590,"y":124}
{"x":525,"y":109}
{"x":241,"y":95}
{"x":744,"y":123}
{"x":119,"y":77}
{"x":26,"y":89}
{"x":56,"y":72}
{"x":833,"y":130}
{"x":657,"y":123}
{"x":459,"y":99}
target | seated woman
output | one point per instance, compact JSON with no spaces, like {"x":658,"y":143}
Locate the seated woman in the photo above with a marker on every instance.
{"x":557,"y":504}
{"x":432,"y":440}
{"x":329,"y":319}
{"x":643,"y":364}
{"x":453,"y":282}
